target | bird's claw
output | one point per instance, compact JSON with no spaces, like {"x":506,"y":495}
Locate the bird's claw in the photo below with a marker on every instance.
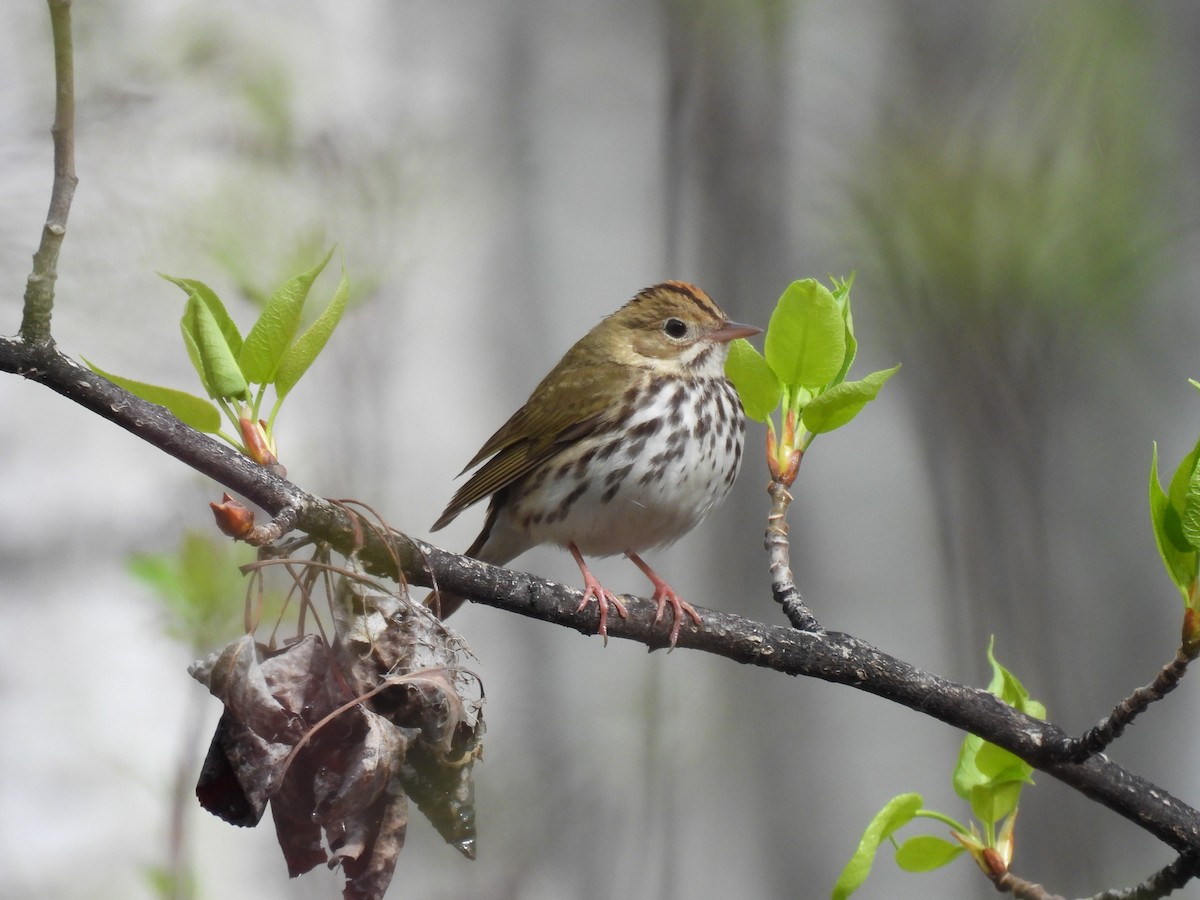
{"x":665,"y":595}
{"x":595,"y":592}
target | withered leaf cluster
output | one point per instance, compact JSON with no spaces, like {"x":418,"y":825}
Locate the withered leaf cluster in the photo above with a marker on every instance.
{"x":337,"y":737}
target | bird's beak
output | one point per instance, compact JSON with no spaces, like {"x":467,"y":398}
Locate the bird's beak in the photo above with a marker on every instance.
{"x":731,"y":331}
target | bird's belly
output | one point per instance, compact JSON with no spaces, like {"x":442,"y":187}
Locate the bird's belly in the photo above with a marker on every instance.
{"x":632,"y":500}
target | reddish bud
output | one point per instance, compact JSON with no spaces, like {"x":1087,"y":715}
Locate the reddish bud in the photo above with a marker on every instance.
{"x":993,"y":862}
{"x":259,"y":446}
{"x":793,"y":467}
{"x":232,"y":518}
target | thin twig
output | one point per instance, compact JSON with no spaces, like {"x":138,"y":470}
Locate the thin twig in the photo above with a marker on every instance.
{"x":1022,"y":889}
{"x":39,"y":289}
{"x":783,"y":587}
{"x":1110,"y":727}
{"x":1161,"y":884}
{"x":281,"y":523}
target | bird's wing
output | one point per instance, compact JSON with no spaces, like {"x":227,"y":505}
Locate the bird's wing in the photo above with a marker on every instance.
{"x":562,"y":410}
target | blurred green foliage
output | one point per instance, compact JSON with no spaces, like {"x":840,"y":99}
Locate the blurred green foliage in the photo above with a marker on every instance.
{"x":200,"y":586}
{"x":1032,"y":206}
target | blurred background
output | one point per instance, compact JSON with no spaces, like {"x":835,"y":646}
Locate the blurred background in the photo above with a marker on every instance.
{"x":1015,"y":186}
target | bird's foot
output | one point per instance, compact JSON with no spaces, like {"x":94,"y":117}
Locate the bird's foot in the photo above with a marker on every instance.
{"x":664,"y":594}
{"x":594,"y":591}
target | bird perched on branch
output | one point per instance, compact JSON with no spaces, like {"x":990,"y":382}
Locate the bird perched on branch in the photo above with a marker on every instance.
{"x":629,"y":442}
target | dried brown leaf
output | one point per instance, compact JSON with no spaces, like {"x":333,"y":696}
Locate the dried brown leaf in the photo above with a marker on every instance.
{"x":374,"y":757}
{"x":337,"y":738}
{"x":299,"y":836}
{"x":235,"y":677}
{"x":368,"y":845}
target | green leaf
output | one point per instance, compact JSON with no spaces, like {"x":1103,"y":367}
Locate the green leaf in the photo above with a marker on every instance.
{"x":276,"y":326}
{"x":924,"y":853}
{"x":1180,"y":560}
{"x":981,"y":764}
{"x":851,"y":352}
{"x":229,"y":330}
{"x":210,"y":353}
{"x":193,"y":352}
{"x":188,"y":408}
{"x":806,"y":338}
{"x":1005,"y":775}
{"x":308,"y":346}
{"x":1185,"y":498}
{"x":999,"y":764}
{"x":967,"y":775}
{"x":1181,"y":481}
{"x":841,"y":293}
{"x":842,"y":402}
{"x":756,"y":384}
{"x":992,"y":802}
{"x":898,"y":812}
{"x":1008,"y":687}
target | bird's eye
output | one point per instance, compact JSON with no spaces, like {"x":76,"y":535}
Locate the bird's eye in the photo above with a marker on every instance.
{"x":675,"y":328}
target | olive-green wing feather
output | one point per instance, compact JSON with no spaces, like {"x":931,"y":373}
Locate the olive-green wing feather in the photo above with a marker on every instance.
{"x":561,"y":410}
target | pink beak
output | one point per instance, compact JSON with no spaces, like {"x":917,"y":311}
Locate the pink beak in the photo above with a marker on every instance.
{"x":731,"y":331}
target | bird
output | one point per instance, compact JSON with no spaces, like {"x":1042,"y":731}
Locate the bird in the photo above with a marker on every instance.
{"x":624,"y":447}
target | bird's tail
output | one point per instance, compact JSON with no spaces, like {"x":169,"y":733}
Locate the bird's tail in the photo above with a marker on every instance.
{"x":485,"y":549}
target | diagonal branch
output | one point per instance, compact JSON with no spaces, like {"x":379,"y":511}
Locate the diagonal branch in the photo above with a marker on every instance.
{"x":1162,"y":883}
{"x":831,"y":656}
{"x":1114,"y":724}
{"x":1166,"y":880}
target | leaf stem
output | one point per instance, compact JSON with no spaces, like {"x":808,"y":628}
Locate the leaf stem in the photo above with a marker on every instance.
{"x":271,"y":418}
{"x":943,"y":818}
{"x":256,"y":406}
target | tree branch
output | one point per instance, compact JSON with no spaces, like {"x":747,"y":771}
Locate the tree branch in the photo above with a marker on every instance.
{"x":783,"y":586}
{"x":1162,"y":883}
{"x":830,"y":656}
{"x":1114,"y":724}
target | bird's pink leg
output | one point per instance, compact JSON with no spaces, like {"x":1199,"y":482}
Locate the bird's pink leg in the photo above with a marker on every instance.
{"x":664,"y":594}
{"x":593,"y":590}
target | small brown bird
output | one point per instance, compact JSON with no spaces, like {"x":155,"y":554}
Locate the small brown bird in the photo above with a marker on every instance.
{"x":626,"y":445}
